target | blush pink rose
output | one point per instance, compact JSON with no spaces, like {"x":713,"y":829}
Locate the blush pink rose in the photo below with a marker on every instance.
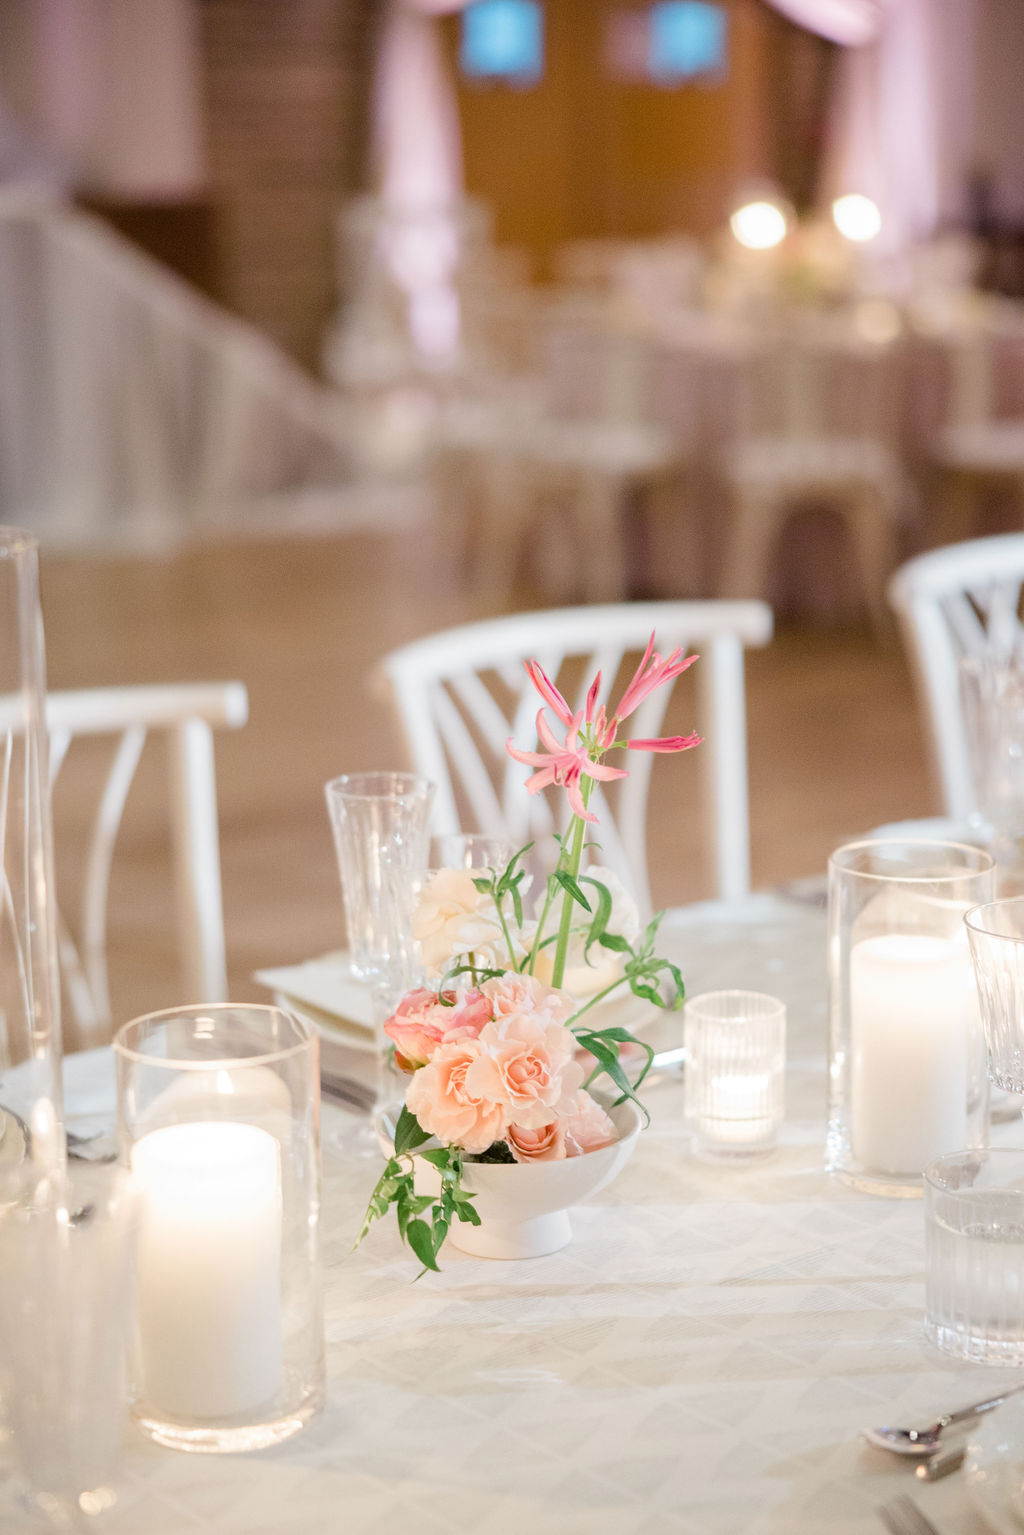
{"x":422,"y":1022}
{"x":586,"y":1126}
{"x":545,"y":1144}
{"x":446,"y":1103}
{"x":526,"y":1064}
{"x":514,"y":993}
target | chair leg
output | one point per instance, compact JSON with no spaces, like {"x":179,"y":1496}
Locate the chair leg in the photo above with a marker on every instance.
{"x":753,"y":528}
{"x":958,"y":507}
{"x":872,"y":520}
{"x":598,"y":505}
{"x":507,"y":499}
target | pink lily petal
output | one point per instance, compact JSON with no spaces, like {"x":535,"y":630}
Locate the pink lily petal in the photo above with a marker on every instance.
{"x":529,"y":759}
{"x":636,"y":676}
{"x":576,"y":804}
{"x":653,"y":670}
{"x":547,"y":690}
{"x":595,"y":688}
{"x":541,"y":780}
{"x":551,"y":742}
{"x":665,"y":744}
{"x":602,"y":771}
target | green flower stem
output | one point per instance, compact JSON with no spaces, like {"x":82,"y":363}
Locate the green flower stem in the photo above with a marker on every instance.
{"x":504,"y":929}
{"x":532,"y":959}
{"x":595,"y":999}
{"x":571,"y":863}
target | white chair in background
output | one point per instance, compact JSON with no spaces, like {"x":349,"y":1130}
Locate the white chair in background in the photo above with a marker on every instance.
{"x":185,"y":716}
{"x":462,"y":693}
{"x":962,"y":600}
{"x":979,"y":447}
{"x":817,"y":423}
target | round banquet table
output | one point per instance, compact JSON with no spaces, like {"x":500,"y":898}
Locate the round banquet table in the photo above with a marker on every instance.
{"x":699,"y":1359}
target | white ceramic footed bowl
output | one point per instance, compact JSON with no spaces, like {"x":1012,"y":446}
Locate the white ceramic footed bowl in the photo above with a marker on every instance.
{"x":523,"y":1206}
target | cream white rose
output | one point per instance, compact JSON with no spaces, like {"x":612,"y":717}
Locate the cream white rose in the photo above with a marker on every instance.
{"x":453,"y":918}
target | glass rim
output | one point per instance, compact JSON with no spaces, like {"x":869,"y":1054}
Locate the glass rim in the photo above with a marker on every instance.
{"x":128,"y":1052}
{"x":15,"y":540}
{"x":694,"y":1004}
{"x":981,"y":1155}
{"x":976,"y":925}
{"x":986,"y":862}
{"x":417,"y":784}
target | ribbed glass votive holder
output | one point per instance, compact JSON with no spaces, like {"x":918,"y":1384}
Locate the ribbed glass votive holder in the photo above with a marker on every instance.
{"x":735,"y":1072}
{"x":974,"y":1255}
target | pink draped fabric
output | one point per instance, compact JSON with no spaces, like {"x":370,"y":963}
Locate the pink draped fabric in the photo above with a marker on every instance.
{"x":853,"y":23}
{"x":900,"y":119}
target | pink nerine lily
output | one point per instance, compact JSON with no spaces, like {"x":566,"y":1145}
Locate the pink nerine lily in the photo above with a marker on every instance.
{"x":550,"y":694}
{"x":665,"y":744}
{"x":648,"y":677}
{"x":590,"y":733}
{"x":563,"y":763}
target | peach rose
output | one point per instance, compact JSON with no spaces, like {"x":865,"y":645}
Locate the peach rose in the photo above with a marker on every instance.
{"x":513,"y":993}
{"x":453,"y":918}
{"x":423,"y":1021}
{"x":446,"y":1103}
{"x":586,"y":1125}
{"x":526,"y":1064}
{"x":546,"y":1144}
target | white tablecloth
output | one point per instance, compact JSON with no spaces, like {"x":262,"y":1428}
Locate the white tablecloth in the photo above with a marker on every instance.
{"x":699,"y":1359}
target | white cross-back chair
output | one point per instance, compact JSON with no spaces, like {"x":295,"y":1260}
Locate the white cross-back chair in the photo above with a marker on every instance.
{"x":185,"y":715}
{"x":816,"y":419}
{"x":462,"y":693}
{"x":962,"y":600}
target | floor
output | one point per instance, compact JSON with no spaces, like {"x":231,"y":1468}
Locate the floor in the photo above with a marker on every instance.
{"x":834,"y":738}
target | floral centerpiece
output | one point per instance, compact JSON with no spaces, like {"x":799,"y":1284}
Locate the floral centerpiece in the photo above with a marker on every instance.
{"x":501,"y":1054}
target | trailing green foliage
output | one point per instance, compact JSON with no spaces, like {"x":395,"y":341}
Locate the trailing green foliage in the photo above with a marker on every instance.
{"x":396,"y":1186}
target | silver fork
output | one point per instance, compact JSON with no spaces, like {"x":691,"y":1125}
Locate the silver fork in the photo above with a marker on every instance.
{"x":903,"y":1517}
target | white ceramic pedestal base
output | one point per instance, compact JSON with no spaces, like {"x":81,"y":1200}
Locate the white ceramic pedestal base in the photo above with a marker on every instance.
{"x":513,"y":1239}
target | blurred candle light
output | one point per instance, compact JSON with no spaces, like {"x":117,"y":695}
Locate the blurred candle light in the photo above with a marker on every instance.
{"x":759,"y":225}
{"x":856,"y":217}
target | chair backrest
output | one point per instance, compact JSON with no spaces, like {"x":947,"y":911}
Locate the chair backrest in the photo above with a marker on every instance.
{"x":959,"y":601}
{"x":820,"y":378}
{"x":462,"y":693}
{"x":185,"y":715}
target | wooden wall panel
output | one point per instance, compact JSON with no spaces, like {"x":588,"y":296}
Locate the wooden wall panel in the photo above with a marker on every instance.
{"x":582,"y":154}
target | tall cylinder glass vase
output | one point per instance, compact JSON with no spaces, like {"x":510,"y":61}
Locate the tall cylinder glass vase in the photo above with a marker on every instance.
{"x":30,"y":1054}
{"x":908,"y":1069}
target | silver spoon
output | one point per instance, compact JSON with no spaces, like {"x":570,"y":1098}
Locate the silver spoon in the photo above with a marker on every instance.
{"x":925,"y":1441}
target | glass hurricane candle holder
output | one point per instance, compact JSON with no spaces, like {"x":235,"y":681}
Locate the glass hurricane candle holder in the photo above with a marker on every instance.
{"x":908,"y":1074}
{"x":995,"y":933}
{"x":218,"y":1118}
{"x":29,"y":983}
{"x":735,"y":1072}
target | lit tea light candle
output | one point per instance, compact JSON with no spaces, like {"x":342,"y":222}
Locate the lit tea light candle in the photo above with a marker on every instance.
{"x":209,"y":1268}
{"x":910,"y":1012}
{"x":738,"y":1110}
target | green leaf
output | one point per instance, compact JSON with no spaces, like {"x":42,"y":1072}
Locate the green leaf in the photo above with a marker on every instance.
{"x":485,"y":886}
{"x":441,"y":1158}
{"x":613,"y":941}
{"x":421,"y":1239}
{"x":571,"y":887}
{"x":466,"y":1212}
{"x":602,"y":915}
{"x":649,"y":993}
{"x":409,"y":1133}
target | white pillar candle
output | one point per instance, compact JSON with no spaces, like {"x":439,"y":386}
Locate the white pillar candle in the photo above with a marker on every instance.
{"x":209,"y":1268}
{"x":910,"y":1001}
